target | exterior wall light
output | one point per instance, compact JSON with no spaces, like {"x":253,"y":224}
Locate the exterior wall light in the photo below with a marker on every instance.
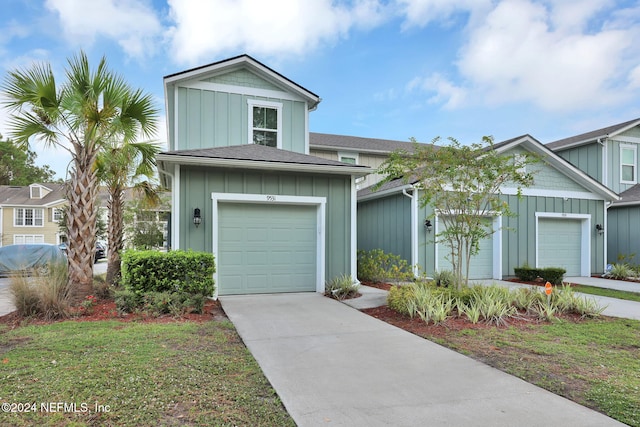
{"x":427,"y":225}
{"x":600,"y":228}
{"x":197,"y":218}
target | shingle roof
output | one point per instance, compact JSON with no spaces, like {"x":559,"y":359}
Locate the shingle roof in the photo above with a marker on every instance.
{"x":632,"y":195}
{"x":258,"y":153}
{"x":20,"y":195}
{"x":325,"y":140}
{"x":593,"y":135}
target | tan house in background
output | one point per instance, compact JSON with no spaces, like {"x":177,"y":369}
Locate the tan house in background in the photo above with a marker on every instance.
{"x":30,"y":214}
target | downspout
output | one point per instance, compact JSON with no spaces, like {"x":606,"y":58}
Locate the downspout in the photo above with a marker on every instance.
{"x":414,"y":228}
{"x":605,"y":169}
{"x":607,"y":205}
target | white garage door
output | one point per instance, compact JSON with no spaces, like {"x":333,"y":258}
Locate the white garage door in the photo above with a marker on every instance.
{"x":266,"y":248}
{"x":481,"y":266}
{"x":560,"y":244}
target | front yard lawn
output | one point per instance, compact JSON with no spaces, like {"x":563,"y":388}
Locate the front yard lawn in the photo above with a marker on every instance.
{"x":133,"y":373}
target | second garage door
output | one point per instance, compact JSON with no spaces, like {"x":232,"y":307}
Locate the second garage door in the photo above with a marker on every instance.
{"x":266,"y":248}
{"x":481,"y":266}
{"x":560,"y":244}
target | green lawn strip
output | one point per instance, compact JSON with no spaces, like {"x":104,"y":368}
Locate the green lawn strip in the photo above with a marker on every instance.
{"x":604,"y":292}
{"x":146,"y":373}
{"x":595,"y":363}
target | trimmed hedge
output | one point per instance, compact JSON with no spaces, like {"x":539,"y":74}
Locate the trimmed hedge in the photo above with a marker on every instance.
{"x":554,"y":275}
{"x":174,"y":271}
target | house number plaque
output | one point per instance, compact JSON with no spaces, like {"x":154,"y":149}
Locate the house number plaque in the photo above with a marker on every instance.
{"x":271,"y":198}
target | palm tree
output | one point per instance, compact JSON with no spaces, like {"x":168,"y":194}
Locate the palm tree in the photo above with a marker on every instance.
{"x":121,"y":166}
{"x":80,"y":116}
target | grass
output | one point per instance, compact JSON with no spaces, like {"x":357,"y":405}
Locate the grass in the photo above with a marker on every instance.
{"x":604,"y":292}
{"x":179,"y":373}
{"x":595,"y":363}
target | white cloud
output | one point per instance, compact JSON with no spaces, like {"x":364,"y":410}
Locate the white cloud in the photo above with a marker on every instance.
{"x":132,"y":23}
{"x":419,"y":13}
{"x":560,"y":55}
{"x":445,"y":92}
{"x":206,"y":28}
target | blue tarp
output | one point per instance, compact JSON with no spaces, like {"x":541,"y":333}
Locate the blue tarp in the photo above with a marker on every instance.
{"x":16,"y":258}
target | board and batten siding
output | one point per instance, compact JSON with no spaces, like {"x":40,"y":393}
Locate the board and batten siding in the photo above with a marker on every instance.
{"x":209,"y":119}
{"x":623,"y":234}
{"x":197,"y":184}
{"x":518,"y":249}
{"x":587,"y":158}
{"x":385,"y":224}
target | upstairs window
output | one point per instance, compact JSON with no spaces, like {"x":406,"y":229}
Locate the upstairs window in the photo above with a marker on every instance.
{"x":265,"y":123}
{"x":628,"y":161}
{"x":28,"y":217}
{"x":58,"y":214}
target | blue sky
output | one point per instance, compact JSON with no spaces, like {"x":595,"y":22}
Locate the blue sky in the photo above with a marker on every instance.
{"x":390,"y":69}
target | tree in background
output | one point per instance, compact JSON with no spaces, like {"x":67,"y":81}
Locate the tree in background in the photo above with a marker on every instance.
{"x":82,"y":115}
{"x":17,"y":166}
{"x":463,"y":185}
{"x":121,"y":166}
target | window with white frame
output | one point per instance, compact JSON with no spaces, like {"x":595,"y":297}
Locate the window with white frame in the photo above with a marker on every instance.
{"x":25,"y":239}
{"x":628,"y":161}
{"x":58,"y":214}
{"x":265,"y":123}
{"x":28,"y":217}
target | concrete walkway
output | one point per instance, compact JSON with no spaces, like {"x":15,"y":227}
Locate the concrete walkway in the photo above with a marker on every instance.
{"x":334,"y":365}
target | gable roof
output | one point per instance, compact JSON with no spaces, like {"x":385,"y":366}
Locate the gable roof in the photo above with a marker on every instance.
{"x":247,"y":62}
{"x":585,"y":138}
{"x":255,"y":156}
{"x":529,"y":143}
{"x":12,"y":195}
{"x":326,"y":141}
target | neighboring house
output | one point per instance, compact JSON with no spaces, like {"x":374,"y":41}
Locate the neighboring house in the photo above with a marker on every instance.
{"x":555,"y":223}
{"x":31,"y":214}
{"x":370,"y":152}
{"x":610,"y":155}
{"x":244,"y":186}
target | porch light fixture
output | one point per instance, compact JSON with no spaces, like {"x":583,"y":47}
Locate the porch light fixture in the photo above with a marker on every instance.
{"x":427,"y":225}
{"x":197,"y":218}
{"x":600,"y":228}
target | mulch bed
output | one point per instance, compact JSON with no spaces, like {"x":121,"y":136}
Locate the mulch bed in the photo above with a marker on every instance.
{"x":106,"y":310}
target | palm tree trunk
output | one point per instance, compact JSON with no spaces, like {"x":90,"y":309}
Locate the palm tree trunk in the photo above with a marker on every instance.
{"x":116,"y":238}
{"x":81,"y":224}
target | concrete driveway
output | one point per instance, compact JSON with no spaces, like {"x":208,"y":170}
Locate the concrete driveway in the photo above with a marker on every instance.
{"x":333,"y":365}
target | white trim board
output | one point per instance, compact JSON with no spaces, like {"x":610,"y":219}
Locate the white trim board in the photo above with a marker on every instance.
{"x":241,"y":90}
{"x":319,"y":202}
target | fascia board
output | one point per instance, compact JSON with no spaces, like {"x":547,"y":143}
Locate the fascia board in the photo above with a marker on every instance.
{"x":261,"y":165}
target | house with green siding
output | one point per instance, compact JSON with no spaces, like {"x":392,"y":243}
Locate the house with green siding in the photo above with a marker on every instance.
{"x":557,"y":221}
{"x":610,"y":156}
{"x":244,"y":185}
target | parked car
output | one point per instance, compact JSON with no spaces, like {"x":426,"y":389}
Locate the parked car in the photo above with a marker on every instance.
{"x":16,"y":259}
{"x":101,"y":250}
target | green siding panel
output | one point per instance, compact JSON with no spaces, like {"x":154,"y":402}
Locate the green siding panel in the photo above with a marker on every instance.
{"x":197,"y":184}
{"x":386,"y":224}
{"x":623,"y":234}
{"x":587,"y":158}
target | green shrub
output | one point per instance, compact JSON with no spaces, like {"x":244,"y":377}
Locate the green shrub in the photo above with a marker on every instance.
{"x":554,"y":275}
{"x":549,"y":274}
{"x":174,"y":271}
{"x":445,"y":278}
{"x":127,"y":301}
{"x":526,"y":273}
{"x":399,"y":297}
{"x":341,"y":287}
{"x":377,"y":266}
